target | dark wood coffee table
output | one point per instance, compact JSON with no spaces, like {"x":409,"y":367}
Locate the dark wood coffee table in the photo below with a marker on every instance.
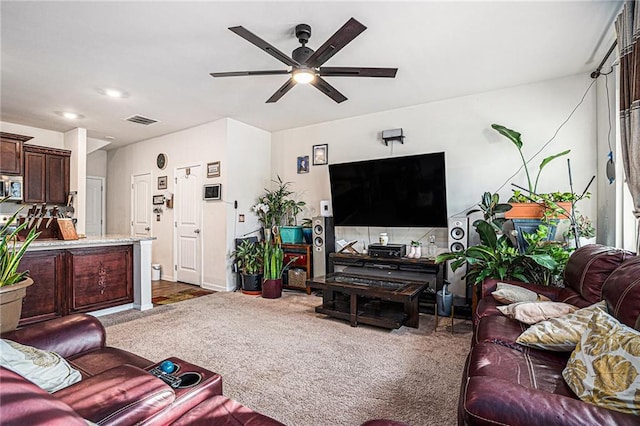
{"x":383,"y":302}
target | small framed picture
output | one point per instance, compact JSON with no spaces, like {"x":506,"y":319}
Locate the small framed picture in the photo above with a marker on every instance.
{"x":303,"y":164}
{"x":212,"y":192}
{"x":213,"y":169}
{"x":158,"y":200}
{"x":162,"y":182}
{"x":320,"y":154}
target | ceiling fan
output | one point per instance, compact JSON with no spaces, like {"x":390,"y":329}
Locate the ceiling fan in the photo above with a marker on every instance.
{"x":306,"y":64}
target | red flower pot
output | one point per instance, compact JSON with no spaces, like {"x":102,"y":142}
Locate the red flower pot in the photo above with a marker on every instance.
{"x":272,"y":289}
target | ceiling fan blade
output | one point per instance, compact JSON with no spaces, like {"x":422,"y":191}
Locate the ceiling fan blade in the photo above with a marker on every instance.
{"x":281,"y":91}
{"x":340,"y":39}
{"x":328,"y":89}
{"x":358,"y":72}
{"x":271,"y":50}
{"x":243,"y":73}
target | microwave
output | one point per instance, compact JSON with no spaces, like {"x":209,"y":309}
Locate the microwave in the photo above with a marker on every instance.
{"x":11,"y":187}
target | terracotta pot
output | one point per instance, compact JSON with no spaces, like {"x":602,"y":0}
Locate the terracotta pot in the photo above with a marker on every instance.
{"x":532,"y":211}
{"x":11,"y":304}
{"x":272,"y":289}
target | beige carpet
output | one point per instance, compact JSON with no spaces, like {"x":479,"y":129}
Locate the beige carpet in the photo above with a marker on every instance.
{"x":282,"y":359}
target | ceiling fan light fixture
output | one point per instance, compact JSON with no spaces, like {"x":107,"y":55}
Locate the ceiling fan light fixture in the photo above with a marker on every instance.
{"x":304,"y":75}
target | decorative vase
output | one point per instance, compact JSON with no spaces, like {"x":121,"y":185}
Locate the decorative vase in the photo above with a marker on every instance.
{"x":412,"y":252}
{"x":384,"y":238}
{"x":252,"y":284}
{"x":418,"y":253}
{"x":11,"y":304}
{"x":272,"y":289}
{"x":307,"y":233}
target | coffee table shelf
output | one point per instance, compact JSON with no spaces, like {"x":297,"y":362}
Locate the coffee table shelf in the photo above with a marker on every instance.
{"x":389,"y":304}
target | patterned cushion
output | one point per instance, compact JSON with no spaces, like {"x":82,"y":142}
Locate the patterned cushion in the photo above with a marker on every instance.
{"x":605,"y":367}
{"x":562,"y":333}
{"x":46,"y":369}
{"x":533,"y":312}
{"x":508,"y":293}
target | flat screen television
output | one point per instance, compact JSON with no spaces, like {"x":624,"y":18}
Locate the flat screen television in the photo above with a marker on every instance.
{"x":392,"y":192}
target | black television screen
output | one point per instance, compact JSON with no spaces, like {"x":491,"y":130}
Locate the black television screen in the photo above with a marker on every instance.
{"x":392,"y":192}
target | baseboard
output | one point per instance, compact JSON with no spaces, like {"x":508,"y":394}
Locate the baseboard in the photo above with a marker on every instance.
{"x":214,"y":287}
{"x":113,"y":310}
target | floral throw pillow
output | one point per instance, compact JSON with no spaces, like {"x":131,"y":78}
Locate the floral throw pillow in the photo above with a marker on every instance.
{"x":562,"y":333}
{"x":604,"y":369}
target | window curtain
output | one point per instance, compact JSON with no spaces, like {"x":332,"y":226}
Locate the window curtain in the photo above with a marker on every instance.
{"x":628,"y":32}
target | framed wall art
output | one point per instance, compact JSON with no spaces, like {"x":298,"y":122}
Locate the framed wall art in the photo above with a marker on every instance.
{"x":213,"y":169}
{"x":158,"y":199}
{"x":303,"y":164}
{"x":320,"y":155}
{"x":162,"y":182}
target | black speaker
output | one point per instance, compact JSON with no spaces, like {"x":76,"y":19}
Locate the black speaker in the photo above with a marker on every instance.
{"x":458,"y":241}
{"x":324,"y":242}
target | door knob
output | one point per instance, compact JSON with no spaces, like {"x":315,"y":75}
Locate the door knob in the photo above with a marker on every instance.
{"x":147,"y":229}
{"x":197,"y":231}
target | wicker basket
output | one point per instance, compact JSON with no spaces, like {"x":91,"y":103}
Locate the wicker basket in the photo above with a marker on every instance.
{"x":297,"y":278}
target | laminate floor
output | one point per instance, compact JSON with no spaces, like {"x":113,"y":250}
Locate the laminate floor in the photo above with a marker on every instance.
{"x":167,"y":292}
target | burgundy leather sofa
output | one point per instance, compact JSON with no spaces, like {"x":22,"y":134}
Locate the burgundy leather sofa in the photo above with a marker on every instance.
{"x":507,"y":383}
{"x":116,"y":387}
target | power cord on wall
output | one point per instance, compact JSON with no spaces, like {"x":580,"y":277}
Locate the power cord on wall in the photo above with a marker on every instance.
{"x":541,"y":149}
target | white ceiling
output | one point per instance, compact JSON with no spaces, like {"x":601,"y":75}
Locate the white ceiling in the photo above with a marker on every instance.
{"x":57,"y":55}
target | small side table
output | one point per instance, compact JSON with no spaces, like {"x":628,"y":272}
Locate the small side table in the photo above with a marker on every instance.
{"x":453,"y":311}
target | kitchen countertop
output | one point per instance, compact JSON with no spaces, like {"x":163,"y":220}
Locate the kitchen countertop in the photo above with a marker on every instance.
{"x":90,"y":241}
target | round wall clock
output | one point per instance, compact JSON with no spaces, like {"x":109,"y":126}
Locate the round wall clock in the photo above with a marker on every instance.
{"x":161,"y":161}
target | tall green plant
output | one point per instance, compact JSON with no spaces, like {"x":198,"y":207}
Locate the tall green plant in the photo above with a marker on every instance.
{"x":516,"y":138}
{"x":273,"y":261}
{"x":248,"y":257}
{"x":10,"y":253}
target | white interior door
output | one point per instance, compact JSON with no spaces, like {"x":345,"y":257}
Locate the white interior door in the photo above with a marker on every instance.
{"x":141,"y":205}
{"x":187,"y":205}
{"x":94,"y":224}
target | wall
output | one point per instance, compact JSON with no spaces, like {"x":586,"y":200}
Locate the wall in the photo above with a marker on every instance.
{"x":76,"y":141}
{"x":41,"y":137}
{"x":224,"y":140}
{"x":97,"y":163}
{"x":478,"y":159}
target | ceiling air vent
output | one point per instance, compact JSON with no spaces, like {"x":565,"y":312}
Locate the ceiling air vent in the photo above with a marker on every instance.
{"x":138,"y":119}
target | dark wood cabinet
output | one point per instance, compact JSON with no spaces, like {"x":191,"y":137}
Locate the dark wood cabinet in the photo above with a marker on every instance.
{"x":100,"y":277}
{"x":66,"y":281}
{"x":34,"y":177}
{"x":45,"y":298}
{"x":46,"y":174}
{"x":11,"y":153}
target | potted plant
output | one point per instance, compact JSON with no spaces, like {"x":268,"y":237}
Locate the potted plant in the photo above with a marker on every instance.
{"x":276,"y":208}
{"x":13,"y":284}
{"x":273,"y":260}
{"x":307,"y":230}
{"x":531,"y":205}
{"x":248,"y":258}
{"x":585,"y":230}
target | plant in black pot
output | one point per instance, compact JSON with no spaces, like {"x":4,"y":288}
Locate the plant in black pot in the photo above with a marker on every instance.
{"x":248,"y":258}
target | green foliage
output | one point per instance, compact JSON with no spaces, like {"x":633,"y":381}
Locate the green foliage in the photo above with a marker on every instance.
{"x":585,"y":228}
{"x":307,"y":222}
{"x":490,"y":206}
{"x":275,"y":208}
{"x":497,"y":257}
{"x":248,"y":256}
{"x":273,"y":261}
{"x":516,"y":138}
{"x":10,"y":254}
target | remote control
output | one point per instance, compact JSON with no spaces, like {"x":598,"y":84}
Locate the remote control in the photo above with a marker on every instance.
{"x":172,"y":381}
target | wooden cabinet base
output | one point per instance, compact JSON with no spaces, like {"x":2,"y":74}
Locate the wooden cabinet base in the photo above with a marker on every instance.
{"x":76,"y":280}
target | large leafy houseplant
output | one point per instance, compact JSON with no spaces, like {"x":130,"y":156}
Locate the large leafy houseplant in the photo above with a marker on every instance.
{"x":13,"y":284}
{"x":248,"y":259}
{"x":10,"y":253}
{"x":516,"y":138}
{"x":498,"y":257}
{"x":276,"y":207}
